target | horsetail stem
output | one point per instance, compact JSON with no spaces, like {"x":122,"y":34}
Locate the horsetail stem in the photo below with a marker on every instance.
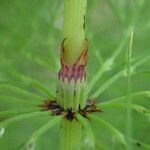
{"x":71,"y":85}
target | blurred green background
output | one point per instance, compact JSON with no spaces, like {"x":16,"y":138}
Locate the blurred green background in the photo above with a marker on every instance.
{"x":30,"y":37}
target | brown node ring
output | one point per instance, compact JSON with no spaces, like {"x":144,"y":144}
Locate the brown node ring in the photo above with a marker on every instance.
{"x":69,"y":114}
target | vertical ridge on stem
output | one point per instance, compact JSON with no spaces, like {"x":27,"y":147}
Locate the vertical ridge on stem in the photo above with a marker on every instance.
{"x":74,"y":28}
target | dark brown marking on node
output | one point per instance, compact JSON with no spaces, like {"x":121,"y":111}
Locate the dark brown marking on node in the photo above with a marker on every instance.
{"x":89,"y":108}
{"x":69,"y":114}
{"x":53,"y":107}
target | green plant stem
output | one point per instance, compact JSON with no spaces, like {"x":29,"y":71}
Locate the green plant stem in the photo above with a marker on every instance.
{"x":74,"y":31}
{"x":71,"y":87}
{"x":70,"y":135}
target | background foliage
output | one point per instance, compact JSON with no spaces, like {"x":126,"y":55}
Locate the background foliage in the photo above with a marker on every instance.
{"x":30,"y":37}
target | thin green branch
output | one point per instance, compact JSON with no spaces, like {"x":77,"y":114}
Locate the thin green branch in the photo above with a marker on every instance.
{"x":114,"y":78}
{"x":138,"y":108}
{"x":30,"y":81}
{"x":35,"y":136}
{"x":129,"y":102}
{"x":123,"y":98}
{"x":107,"y":65}
{"x":37,"y":60}
{"x":5,"y":98}
{"x":107,"y":84}
{"x":17,"y":111}
{"x":102,"y":123}
{"x":37,"y":85}
{"x":20,"y":91}
{"x":21,"y":117}
{"x":140,"y":61}
{"x":90,"y":139}
{"x":116,"y":9}
{"x":99,"y":57}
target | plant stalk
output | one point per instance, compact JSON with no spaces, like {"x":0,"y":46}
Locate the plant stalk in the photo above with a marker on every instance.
{"x":71,"y":85}
{"x":70,"y":135}
{"x":74,"y":29}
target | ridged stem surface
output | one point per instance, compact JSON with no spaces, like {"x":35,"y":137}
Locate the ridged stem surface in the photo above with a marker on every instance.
{"x":71,"y":85}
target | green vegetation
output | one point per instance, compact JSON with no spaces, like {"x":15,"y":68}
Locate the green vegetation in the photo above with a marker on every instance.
{"x":118,"y":75}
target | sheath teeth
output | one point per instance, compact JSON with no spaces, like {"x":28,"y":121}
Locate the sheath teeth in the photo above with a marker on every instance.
{"x":71,"y":85}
